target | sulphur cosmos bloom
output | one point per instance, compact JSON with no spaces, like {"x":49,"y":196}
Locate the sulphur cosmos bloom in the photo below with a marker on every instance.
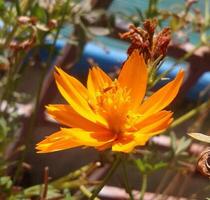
{"x":110,"y":113}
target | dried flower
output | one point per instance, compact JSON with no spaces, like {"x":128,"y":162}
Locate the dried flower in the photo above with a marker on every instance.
{"x":203,"y":164}
{"x":23,"y":45}
{"x":152,"y":46}
{"x":110,"y":114}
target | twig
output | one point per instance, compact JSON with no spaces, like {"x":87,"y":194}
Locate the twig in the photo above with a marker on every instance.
{"x":190,"y":114}
{"x":45,"y":188}
{"x":170,"y":187}
{"x":86,"y":192}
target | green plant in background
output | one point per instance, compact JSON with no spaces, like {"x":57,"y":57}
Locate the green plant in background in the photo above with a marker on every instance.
{"x":20,"y":33}
{"x":27,"y":26}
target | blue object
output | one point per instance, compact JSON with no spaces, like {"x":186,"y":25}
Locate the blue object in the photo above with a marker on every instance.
{"x":108,"y":57}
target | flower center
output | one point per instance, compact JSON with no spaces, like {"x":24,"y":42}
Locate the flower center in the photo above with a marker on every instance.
{"x":112,"y":103}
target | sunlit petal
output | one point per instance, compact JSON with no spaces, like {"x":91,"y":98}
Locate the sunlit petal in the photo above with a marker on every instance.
{"x":67,"y":116}
{"x":89,"y":138}
{"x":97,"y":80}
{"x":56,"y":142}
{"x":124,"y":144}
{"x":73,"y":137}
{"x":159,"y":124}
{"x":134,"y":77}
{"x":163,"y":97}
{"x":75,"y":93}
{"x":146,"y":120}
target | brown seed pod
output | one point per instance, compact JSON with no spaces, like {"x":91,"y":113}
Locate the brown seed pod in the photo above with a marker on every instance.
{"x":203,"y":164}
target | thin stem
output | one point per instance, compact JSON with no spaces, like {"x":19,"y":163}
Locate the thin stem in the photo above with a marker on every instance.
{"x":170,"y":187}
{"x":45,"y":186}
{"x":190,"y":53}
{"x":127,"y":186}
{"x":190,"y":114}
{"x":206,"y":18}
{"x":86,"y":192}
{"x":143,"y":186}
{"x":17,"y":5}
{"x":107,"y":177}
{"x":163,"y":181}
{"x":71,"y":176}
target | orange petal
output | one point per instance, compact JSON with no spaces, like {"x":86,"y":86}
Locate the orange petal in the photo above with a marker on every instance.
{"x":134,"y":77}
{"x":147,"y":120}
{"x":55,"y":142}
{"x":156,"y":123}
{"x":67,"y":116}
{"x":89,"y":138}
{"x":125,"y":144}
{"x":75,"y":93}
{"x":73,"y":137}
{"x":97,"y":80}
{"x":163,"y":97}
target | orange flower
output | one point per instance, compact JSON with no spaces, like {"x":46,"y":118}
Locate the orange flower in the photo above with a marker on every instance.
{"x":110,"y":114}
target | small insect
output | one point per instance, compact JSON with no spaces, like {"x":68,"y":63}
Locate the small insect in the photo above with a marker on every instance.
{"x":107,"y":89}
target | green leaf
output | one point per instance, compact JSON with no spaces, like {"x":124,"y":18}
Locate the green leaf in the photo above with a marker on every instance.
{"x":2,"y":6}
{"x":40,"y":13}
{"x":35,"y":191}
{"x":4,"y":128}
{"x":140,"y":165}
{"x":159,"y":165}
{"x":201,"y":137}
{"x":67,"y":194}
{"x":173,"y":141}
{"x":6,"y":182}
{"x":182,"y":145}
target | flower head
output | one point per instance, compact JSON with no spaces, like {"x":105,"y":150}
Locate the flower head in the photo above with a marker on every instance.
{"x":110,"y":113}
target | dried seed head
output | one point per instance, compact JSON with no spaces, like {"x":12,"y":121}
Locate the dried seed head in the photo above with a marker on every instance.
{"x":53,"y":23}
{"x":203,"y":164}
{"x":24,"y":45}
{"x":150,"y":26}
{"x":152,"y":46}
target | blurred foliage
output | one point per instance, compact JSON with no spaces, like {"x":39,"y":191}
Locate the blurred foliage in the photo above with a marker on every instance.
{"x":200,"y":137}
{"x":183,"y":18}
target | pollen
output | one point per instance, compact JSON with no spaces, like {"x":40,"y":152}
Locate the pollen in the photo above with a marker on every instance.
{"x":113,"y":104}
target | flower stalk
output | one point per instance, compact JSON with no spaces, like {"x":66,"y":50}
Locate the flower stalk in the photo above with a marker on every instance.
{"x":107,"y":177}
{"x":143,"y":186}
{"x":190,"y":114}
{"x":127,"y":186}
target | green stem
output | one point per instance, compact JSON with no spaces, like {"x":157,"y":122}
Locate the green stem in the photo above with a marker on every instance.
{"x":107,"y":177}
{"x":190,"y":114}
{"x":206,"y":18}
{"x":86,"y":192}
{"x":127,"y":186}
{"x":71,"y":176}
{"x":190,"y":53}
{"x":143,"y":186}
